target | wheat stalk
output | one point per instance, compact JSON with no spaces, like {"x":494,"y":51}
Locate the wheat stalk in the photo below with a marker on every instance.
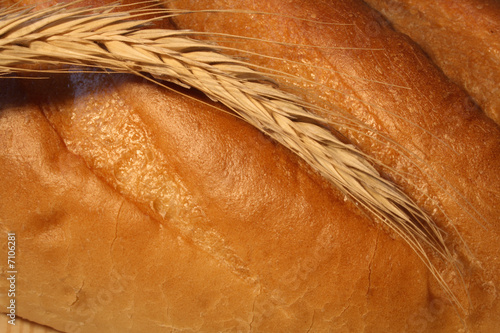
{"x":113,"y":41}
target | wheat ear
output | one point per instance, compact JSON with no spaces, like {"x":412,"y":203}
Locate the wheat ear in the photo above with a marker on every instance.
{"x":104,"y":39}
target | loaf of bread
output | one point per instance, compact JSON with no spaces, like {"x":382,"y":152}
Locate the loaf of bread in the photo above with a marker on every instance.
{"x":461,"y":36}
{"x":138,"y":208}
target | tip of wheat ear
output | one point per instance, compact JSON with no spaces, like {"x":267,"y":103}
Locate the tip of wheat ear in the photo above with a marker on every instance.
{"x":103,"y":39}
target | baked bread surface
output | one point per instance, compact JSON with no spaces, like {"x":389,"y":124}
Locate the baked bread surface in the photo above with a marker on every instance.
{"x":138,"y":209}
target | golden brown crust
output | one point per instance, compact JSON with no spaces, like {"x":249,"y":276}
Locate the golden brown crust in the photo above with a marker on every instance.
{"x":143,"y":210}
{"x":23,"y":325}
{"x":461,"y":36}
